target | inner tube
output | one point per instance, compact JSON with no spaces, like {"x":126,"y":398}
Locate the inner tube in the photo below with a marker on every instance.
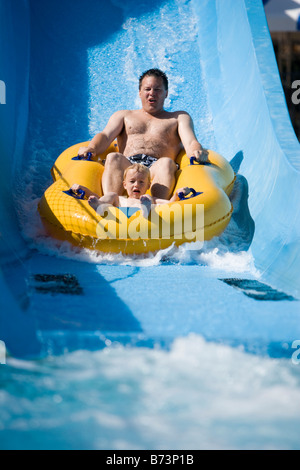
{"x":201,"y":215}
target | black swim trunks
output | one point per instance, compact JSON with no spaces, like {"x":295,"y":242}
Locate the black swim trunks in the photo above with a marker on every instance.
{"x":146,"y":160}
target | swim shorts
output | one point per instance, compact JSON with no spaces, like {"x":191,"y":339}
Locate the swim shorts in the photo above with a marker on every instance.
{"x":146,"y":160}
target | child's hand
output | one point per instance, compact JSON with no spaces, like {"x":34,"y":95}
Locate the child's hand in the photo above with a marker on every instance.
{"x":145,"y":198}
{"x":146,"y":202}
{"x":93,"y":199}
{"x":185,"y":191}
{"x":77,"y":187}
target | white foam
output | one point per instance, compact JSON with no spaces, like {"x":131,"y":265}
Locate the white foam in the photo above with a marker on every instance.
{"x":209,"y":255}
{"x":197,"y":395}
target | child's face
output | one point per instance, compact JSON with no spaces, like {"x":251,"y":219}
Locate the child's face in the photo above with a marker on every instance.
{"x":136,"y":183}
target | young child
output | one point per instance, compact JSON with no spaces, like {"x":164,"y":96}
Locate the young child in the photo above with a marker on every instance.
{"x":136,"y":182}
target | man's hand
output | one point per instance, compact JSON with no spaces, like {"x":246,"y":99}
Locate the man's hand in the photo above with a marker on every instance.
{"x":201,"y":155}
{"x":83,"y":151}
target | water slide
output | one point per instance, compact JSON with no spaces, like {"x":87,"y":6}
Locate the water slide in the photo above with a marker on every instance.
{"x":65,"y":67}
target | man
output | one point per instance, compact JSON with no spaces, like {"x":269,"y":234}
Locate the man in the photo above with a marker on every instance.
{"x":149,"y":135}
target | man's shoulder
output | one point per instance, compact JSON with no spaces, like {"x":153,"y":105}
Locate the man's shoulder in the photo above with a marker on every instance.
{"x":121,"y":112}
{"x":177,"y":114}
{"x":181,"y":113}
{"x":127,"y":112}
{"x":120,"y":116}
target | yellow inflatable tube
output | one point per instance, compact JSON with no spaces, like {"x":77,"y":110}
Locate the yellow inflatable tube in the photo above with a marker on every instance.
{"x":203,"y":214}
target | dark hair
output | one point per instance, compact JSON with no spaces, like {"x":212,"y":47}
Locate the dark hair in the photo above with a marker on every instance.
{"x":154,"y":73}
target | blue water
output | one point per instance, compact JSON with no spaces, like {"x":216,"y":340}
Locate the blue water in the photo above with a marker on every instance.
{"x":197,"y":395}
{"x":152,"y":352}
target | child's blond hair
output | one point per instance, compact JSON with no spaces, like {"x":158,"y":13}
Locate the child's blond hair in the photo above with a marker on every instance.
{"x":140,"y":168}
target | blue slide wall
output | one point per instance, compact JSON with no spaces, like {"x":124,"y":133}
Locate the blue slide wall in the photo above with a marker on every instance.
{"x":67,"y":68}
{"x":14,"y":72}
{"x":14,"y":67}
{"x":250,"y":115}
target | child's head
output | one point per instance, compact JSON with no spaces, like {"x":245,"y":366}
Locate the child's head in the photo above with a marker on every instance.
{"x":136,"y":180}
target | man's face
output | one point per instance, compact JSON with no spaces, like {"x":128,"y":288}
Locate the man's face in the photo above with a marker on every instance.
{"x":153,"y":94}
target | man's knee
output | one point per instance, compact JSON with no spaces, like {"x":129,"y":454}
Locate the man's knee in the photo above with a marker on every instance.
{"x":113,"y":159}
{"x":110,"y":198}
{"x":111,"y":195}
{"x":164,"y":165}
{"x":168,"y":163}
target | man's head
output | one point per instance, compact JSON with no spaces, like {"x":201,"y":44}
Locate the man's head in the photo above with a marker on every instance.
{"x":153,"y":86}
{"x":154,"y":73}
{"x":136,"y":180}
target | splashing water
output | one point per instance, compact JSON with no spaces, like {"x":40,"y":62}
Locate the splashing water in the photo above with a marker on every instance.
{"x":123,"y":398}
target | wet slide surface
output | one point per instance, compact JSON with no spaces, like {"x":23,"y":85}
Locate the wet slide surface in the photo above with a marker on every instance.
{"x":185,"y":349}
{"x":231,"y":88}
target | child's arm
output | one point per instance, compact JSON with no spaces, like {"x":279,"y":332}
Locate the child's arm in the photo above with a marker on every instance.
{"x":174,"y":198}
{"x":147,"y":200}
{"x":88,"y":192}
{"x":100,"y":204}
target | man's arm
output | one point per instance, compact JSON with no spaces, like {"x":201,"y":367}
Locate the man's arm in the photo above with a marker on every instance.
{"x":188,"y":138}
{"x":103,"y":139}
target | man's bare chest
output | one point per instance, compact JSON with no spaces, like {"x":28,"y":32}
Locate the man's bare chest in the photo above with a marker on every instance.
{"x":152,"y":126}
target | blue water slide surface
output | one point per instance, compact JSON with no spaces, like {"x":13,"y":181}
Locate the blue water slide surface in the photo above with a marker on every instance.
{"x":66,"y":68}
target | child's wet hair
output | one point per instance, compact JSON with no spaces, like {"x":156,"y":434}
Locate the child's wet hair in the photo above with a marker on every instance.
{"x":139,"y":167}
